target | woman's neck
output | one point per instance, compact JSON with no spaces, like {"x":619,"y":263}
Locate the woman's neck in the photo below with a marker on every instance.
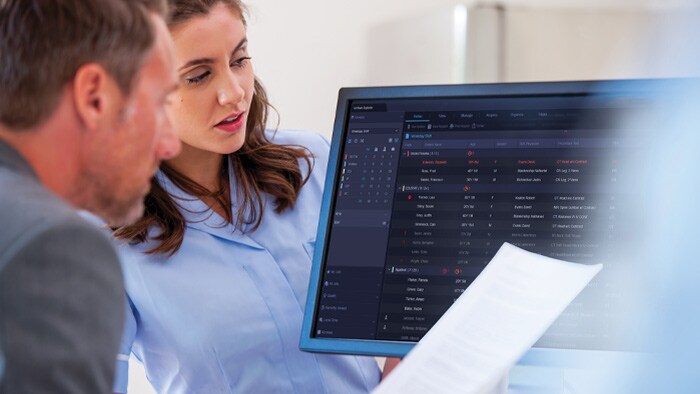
{"x":200,"y":166}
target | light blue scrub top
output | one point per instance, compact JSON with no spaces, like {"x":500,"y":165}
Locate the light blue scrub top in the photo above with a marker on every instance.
{"x":224,"y":314}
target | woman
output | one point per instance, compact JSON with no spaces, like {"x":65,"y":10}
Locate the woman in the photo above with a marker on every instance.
{"x":218,"y":266}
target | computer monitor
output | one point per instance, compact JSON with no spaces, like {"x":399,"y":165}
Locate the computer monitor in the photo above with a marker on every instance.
{"x":425,"y":183}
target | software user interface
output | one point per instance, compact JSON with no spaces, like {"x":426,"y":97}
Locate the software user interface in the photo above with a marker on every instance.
{"x":427,"y":190}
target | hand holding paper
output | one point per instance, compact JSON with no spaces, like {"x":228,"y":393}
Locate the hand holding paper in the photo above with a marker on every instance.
{"x":502,"y":314}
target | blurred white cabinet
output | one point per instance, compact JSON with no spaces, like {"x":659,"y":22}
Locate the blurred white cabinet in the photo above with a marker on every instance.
{"x":489,"y":43}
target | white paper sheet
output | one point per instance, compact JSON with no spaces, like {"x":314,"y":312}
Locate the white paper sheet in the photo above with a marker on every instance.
{"x":500,"y":316}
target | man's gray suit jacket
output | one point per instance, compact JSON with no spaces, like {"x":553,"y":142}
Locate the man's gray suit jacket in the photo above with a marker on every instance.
{"x":61,"y":290}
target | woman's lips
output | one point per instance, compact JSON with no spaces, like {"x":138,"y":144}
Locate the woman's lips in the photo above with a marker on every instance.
{"x":232,"y":123}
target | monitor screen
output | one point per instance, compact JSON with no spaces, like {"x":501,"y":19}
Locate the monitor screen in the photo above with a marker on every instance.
{"x":426,"y":183}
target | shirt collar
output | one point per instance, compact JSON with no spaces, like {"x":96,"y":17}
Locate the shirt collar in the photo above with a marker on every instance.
{"x":199,"y":216}
{"x":10,"y":157}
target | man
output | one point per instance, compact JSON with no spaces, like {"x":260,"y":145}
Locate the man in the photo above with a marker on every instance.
{"x":82,"y":125}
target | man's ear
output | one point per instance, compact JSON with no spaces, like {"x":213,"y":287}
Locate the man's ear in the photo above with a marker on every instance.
{"x":96,"y":95}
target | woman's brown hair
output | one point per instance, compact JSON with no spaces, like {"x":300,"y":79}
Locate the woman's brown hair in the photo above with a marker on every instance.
{"x":259,"y":167}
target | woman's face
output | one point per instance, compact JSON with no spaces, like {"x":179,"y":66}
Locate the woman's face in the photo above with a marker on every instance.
{"x":210,"y":108}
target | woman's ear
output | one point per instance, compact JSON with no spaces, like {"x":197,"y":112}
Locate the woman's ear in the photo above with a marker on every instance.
{"x":95,"y":95}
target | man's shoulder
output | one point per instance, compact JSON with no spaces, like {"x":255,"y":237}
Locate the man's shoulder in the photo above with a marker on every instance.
{"x":30,"y":210}
{"x":62,"y":288}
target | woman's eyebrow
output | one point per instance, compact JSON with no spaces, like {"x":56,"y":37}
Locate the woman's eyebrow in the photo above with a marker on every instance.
{"x":197,"y":62}
{"x":240,"y":45}
{"x":207,"y":60}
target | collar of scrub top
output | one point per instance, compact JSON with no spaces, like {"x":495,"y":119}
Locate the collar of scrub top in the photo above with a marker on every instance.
{"x":199,"y":216}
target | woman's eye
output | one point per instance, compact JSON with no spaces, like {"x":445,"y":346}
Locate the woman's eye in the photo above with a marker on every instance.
{"x":197,"y":78}
{"x":240,"y":62}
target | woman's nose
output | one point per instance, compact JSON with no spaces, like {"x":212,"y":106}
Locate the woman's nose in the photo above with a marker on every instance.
{"x":230,"y":92}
